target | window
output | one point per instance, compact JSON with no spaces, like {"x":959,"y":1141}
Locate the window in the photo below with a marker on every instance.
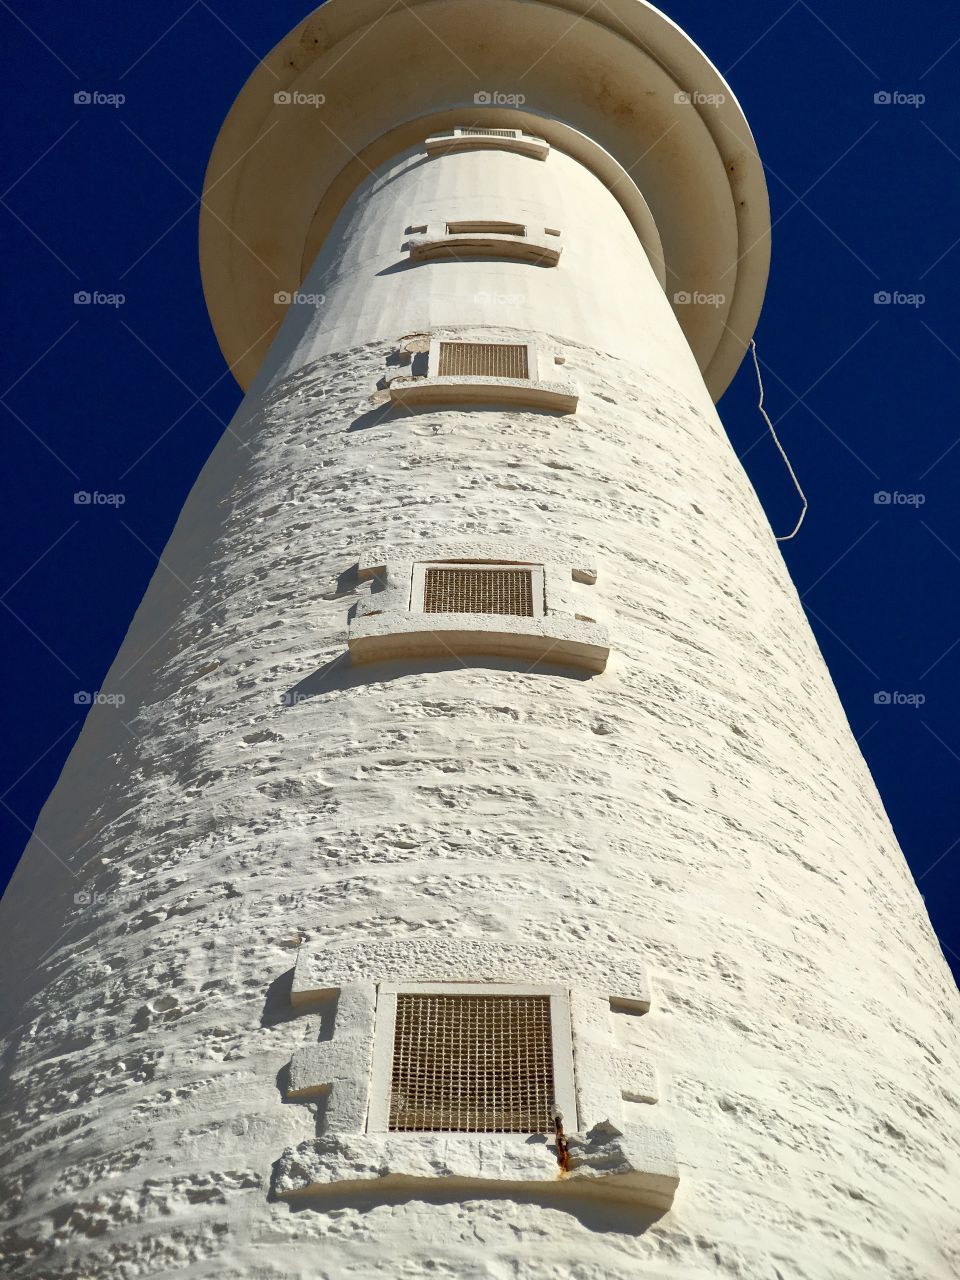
{"x":460,"y":1084}
{"x":472,"y":1064}
{"x":479,"y":228}
{"x":482,"y":238}
{"x":473,"y":139}
{"x":513,"y":374}
{"x":483,"y":359}
{"x":493,"y":589}
{"x":465,"y":590}
{"x":454,"y":601}
{"x":469,"y":1059}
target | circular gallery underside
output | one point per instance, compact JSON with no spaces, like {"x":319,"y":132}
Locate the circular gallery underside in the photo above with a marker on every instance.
{"x":617,"y":85}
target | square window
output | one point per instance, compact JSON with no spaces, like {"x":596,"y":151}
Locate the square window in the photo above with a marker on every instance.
{"x":452,"y":1059}
{"x":472,"y":1064}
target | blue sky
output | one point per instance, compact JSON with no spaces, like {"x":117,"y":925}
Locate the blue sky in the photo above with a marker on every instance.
{"x":128,"y":398}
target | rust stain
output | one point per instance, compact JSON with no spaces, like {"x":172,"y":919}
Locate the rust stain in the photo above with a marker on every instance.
{"x":563,"y":1151}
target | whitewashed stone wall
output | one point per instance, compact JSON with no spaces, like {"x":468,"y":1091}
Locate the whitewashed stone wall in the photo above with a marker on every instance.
{"x":700,"y":810}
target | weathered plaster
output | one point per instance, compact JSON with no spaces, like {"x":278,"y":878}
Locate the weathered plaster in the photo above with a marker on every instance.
{"x":695,"y":828}
{"x":701,"y":809}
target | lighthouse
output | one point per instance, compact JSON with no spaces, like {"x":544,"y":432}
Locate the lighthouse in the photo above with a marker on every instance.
{"x":483,"y":879}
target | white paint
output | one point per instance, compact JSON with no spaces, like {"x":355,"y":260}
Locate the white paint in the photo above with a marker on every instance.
{"x":700,"y":811}
{"x":605,"y":296}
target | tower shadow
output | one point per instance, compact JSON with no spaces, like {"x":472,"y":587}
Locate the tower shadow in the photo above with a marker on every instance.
{"x":341,"y":674}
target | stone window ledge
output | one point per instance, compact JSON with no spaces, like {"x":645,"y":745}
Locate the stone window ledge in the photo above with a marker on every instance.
{"x":487,"y":244}
{"x":634,"y":1163}
{"x":553,"y":640}
{"x":558,"y":397}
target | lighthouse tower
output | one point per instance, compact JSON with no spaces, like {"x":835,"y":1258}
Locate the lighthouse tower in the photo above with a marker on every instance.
{"x":483,"y":880}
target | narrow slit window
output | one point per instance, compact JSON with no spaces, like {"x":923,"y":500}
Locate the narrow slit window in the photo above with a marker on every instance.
{"x":472,"y":1064}
{"x":482,"y":228}
{"x":491,"y":133}
{"x":483,"y":359}
{"x":452,"y":589}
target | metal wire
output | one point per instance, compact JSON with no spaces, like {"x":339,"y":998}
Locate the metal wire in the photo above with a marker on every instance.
{"x":783,"y":453}
{"x":472,"y":1064}
{"x":483,"y":359}
{"x":480,"y":590}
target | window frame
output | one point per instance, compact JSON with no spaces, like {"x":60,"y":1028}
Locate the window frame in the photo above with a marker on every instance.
{"x":381,"y":1074}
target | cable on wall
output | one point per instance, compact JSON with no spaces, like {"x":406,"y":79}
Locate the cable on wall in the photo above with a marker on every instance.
{"x":783,"y":453}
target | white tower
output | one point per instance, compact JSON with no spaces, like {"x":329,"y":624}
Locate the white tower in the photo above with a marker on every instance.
{"x":485,"y":881}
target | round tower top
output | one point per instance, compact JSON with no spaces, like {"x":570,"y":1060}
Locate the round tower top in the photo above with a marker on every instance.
{"x":616,"y":84}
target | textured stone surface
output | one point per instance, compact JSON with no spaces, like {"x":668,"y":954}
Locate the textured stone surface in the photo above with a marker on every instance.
{"x":700,"y":811}
{"x":701,"y":806}
{"x":490,"y":958}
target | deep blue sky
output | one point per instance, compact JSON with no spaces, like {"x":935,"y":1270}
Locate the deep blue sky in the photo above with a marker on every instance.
{"x":131,"y":399}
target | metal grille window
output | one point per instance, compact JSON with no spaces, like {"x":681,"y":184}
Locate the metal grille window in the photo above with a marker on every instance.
{"x":483,"y":359}
{"x":491,"y":133}
{"x":472,"y":1064}
{"x":454,"y":589}
{"x":482,"y":228}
